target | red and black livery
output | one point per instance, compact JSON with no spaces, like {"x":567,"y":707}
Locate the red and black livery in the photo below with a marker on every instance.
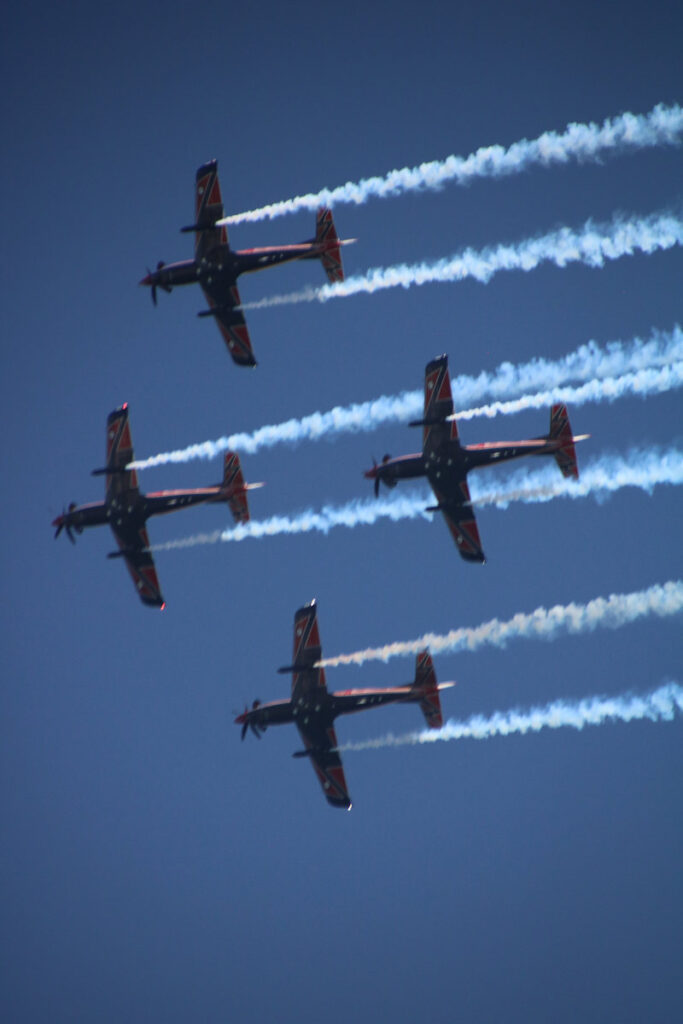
{"x":446,"y":462}
{"x":313,"y":708}
{"x":216,"y":266}
{"x":127,"y":510}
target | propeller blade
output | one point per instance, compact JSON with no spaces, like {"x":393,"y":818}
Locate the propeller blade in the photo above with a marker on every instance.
{"x":244,"y":729}
{"x":153,"y":288}
{"x":64,"y":524}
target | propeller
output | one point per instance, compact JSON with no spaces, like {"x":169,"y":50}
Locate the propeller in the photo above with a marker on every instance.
{"x":62,"y":523}
{"x":374,"y":474}
{"x":257,"y":730}
{"x":156,"y":284}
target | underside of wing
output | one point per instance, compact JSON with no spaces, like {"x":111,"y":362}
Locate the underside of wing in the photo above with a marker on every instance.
{"x":225,"y":304}
{"x":456,"y":505}
{"x":321,"y":744}
{"x":308,"y":678}
{"x":208,"y":209}
{"x":438,"y":406}
{"x":119,"y":455}
{"x":134,"y":545}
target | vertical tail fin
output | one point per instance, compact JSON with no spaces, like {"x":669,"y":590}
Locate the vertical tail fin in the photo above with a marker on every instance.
{"x":428,"y":688}
{"x":326,"y":235}
{"x":561,"y":432}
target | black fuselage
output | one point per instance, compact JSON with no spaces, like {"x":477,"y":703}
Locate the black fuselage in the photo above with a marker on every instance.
{"x":223,"y":265}
{"x":132,"y":510}
{"x":458,"y":459}
{"x":325,"y":707}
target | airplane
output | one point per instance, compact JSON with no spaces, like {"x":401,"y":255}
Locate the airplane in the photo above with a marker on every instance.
{"x":126,"y":510}
{"x":445,"y":462}
{"x":216,"y":266}
{"x":313,"y":708}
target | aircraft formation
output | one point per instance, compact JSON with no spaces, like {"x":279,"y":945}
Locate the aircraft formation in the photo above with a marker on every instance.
{"x":444,"y":461}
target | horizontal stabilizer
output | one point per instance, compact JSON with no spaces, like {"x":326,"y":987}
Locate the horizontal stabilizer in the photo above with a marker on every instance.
{"x":427,"y":688}
{"x":561,"y":433}
{"x":326,"y":237}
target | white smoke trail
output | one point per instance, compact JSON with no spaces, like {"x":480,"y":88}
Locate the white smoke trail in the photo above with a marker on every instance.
{"x":644,"y":468}
{"x":613,"y":370}
{"x":660,"y":705}
{"x":582,"y":142}
{"x":611,"y":612}
{"x":355,"y":513}
{"x":641,"y":383}
{"x":592,"y":245}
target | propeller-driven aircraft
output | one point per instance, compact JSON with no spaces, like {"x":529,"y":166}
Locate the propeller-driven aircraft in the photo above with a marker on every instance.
{"x":445,"y":462}
{"x":216,"y":266}
{"x":313,"y":708}
{"x":126,"y":510}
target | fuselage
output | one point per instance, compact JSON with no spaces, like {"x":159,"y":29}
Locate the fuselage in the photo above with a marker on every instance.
{"x":325,"y":707}
{"x":454,"y":457}
{"x":223,"y":265}
{"x":134,"y":509}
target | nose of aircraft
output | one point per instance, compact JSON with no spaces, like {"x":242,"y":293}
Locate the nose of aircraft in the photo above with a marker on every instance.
{"x":147,"y":279}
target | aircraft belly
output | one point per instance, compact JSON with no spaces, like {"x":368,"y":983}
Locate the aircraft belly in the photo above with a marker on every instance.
{"x":276,"y":714}
{"x":347,"y":705}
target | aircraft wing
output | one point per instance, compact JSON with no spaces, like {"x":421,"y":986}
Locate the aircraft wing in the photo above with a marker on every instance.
{"x":321,"y":742}
{"x":224,"y":300}
{"x":119,"y":453}
{"x":308,"y":692}
{"x":453,"y":496}
{"x":439,"y":422}
{"x":134,"y":546}
{"x":208,"y":209}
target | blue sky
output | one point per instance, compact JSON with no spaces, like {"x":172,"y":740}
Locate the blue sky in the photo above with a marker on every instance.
{"x":153,"y":866}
